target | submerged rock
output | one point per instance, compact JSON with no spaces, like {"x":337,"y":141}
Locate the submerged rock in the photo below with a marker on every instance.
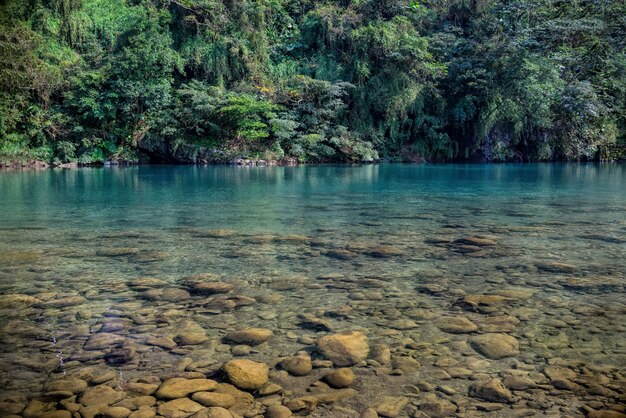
{"x":179,"y":408}
{"x":189,"y":333}
{"x":180,"y":387}
{"x":495,"y":346}
{"x":391,"y":406}
{"x":74,"y":300}
{"x":476,"y":241}
{"x":17,"y":301}
{"x":117,"y":252}
{"x":606,"y":413}
{"x":434,"y":407}
{"x":223,"y":400}
{"x":278,"y":411}
{"x":101,"y":395}
{"x":169,"y":294}
{"x":557,"y":267}
{"x":249,"y":336}
{"x":340,"y":378}
{"x":502,"y":323}
{"x":344,"y":349}
{"x":67,"y":384}
{"x":103,"y":341}
{"x":210,"y":288}
{"x":481,"y":302}
{"x":457,"y":325}
{"x":384,"y":251}
{"x":491,"y":390}
{"x":299,"y":365}
{"x":247,"y":374}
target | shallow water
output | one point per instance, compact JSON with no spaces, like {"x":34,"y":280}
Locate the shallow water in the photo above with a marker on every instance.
{"x":390,"y":250}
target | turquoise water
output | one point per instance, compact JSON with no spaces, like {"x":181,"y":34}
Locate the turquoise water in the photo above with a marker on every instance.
{"x":357,"y":247}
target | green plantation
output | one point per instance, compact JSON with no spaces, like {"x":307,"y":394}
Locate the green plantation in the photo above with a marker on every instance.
{"x":88,"y":81}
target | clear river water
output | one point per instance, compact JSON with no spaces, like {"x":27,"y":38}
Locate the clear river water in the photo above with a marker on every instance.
{"x":446,"y":290}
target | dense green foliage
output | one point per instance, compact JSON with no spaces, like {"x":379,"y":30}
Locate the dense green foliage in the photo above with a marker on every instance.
{"x":342,"y":80}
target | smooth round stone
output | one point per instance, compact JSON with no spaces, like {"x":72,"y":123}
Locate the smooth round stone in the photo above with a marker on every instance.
{"x":190,"y":333}
{"x":495,"y":346}
{"x":369,"y":413}
{"x":457,"y":325}
{"x":179,"y":387}
{"x":437,"y":408}
{"x":340,"y":378}
{"x":179,"y":408}
{"x":16,"y":301}
{"x":381,"y":353}
{"x":115,"y":412}
{"x":384,"y":251}
{"x":278,"y":411}
{"x":502,"y":324}
{"x":270,"y":389}
{"x":403,"y":324}
{"x":223,"y":400}
{"x":406,"y":364}
{"x":101,"y":395}
{"x":162,"y":342}
{"x":247,"y":374}
{"x":56,"y":414}
{"x":299,"y":365}
{"x":214,"y":412}
{"x":491,"y":390}
{"x":210,"y":288}
{"x":606,"y":413}
{"x":249,"y":336}
{"x":103,"y":341}
{"x":391,"y":406}
{"x":344,"y":349}
{"x":241,"y":350}
{"x":143,"y":413}
{"x":66,"y":384}
{"x":104,"y":377}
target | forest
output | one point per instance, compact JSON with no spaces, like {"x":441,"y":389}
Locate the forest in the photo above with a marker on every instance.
{"x":188,"y":81}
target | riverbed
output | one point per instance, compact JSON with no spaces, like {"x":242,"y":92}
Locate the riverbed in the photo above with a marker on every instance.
{"x":330,"y":291}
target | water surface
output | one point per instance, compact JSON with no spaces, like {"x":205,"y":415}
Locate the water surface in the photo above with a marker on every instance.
{"x":393,"y":251}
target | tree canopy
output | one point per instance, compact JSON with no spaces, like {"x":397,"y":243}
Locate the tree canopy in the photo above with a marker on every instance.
{"x":342,"y":80}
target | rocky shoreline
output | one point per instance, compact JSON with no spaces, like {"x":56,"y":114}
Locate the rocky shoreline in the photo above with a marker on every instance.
{"x":41,"y":165}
